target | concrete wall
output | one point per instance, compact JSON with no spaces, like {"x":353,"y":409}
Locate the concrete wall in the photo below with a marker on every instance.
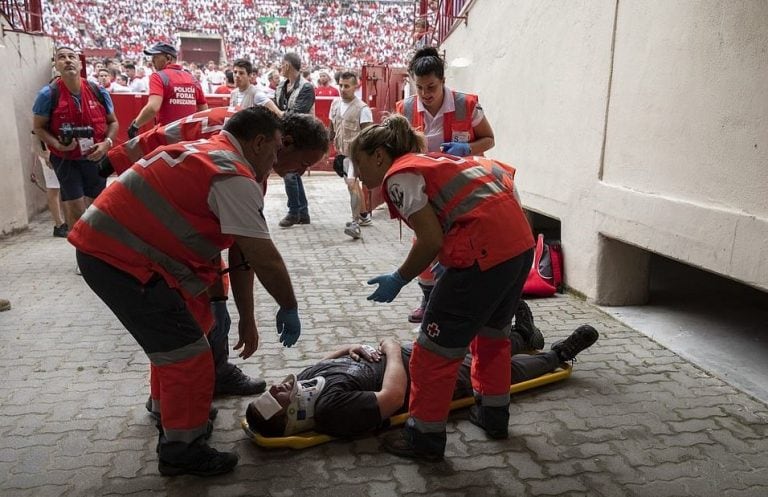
{"x":26,"y":68}
{"x":637,"y":124}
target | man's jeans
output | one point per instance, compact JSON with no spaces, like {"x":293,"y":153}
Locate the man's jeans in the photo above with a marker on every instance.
{"x":297,"y":200}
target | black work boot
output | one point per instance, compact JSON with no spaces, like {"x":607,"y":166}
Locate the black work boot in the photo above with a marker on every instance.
{"x":235,"y":382}
{"x":527,"y":329}
{"x":411,"y":443}
{"x":230,"y":380}
{"x":493,"y":420}
{"x":582,"y":338}
{"x":196,"y":458}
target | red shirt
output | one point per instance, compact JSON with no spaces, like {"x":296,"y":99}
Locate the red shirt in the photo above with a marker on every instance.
{"x":326,"y":91}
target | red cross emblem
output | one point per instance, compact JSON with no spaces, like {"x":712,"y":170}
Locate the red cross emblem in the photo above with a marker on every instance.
{"x":433,"y":330}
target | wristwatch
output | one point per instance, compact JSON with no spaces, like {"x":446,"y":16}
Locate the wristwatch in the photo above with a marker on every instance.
{"x":109,"y":140}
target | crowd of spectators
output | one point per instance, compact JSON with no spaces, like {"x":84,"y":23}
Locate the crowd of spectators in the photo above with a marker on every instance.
{"x":327,"y":33}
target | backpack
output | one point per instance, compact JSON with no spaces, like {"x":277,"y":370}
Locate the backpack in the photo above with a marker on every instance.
{"x":546,"y":274}
{"x":94,"y":89}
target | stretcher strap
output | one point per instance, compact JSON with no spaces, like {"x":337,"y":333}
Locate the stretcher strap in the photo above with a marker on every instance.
{"x":312,"y":438}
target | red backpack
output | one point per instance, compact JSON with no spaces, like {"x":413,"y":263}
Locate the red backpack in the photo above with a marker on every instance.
{"x":546,"y":274}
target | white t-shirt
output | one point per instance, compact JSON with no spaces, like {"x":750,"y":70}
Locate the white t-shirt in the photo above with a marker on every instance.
{"x":433,"y":125}
{"x":408,"y":192}
{"x":238,"y":202}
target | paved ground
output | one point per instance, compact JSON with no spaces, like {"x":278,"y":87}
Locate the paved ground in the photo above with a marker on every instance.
{"x":634,"y":419}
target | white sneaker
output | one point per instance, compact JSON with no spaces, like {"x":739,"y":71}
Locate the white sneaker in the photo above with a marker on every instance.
{"x":353,"y":230}
{"x":366,"y":219}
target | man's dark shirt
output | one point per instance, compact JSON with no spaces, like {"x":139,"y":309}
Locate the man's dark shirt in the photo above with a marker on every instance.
{"x":347,"y":406}
{"x":304,"y":100}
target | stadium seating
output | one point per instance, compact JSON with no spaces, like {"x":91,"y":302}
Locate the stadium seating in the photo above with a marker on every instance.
{"x":323,"y":32}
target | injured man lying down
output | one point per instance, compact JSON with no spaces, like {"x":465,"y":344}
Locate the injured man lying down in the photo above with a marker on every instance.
{"x":358,"y":388}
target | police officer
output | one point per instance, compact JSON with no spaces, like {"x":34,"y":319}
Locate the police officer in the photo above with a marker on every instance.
{"x":173,"y":92}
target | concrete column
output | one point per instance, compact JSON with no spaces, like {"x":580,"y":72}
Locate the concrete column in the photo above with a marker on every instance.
{"x":623,"y":273}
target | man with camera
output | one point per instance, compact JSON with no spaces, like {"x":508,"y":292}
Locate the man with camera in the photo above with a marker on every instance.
{"x":76,"y":121}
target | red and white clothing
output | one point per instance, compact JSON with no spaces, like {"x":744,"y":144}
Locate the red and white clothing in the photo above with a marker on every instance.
{"x":180,"y":91}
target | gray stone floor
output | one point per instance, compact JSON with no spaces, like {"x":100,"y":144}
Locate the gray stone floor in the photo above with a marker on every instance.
{"x":634,"y":419}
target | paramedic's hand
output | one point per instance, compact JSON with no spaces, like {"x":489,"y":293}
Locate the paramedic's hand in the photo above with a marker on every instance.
{"x":288,"y":326}
{"x":133,"y":130}
{"x":389,"y":286}
{"x":221,"y":319}
{"x":249,"y":337}
{"x":456,"y":148}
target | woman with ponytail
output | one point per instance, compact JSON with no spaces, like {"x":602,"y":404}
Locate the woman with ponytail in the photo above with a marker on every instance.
{"x":464,"y":214}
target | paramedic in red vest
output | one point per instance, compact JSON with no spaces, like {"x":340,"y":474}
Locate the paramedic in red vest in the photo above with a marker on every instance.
{"x":294,"y":156}
{"x":464,"y":213}
{"x":79,"y":105}
{"x":452,"y":122}
{"x":149,"y":248}
{"x":173,"y":92}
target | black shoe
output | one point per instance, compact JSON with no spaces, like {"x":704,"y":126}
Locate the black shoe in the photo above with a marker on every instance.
{"x":288,"y":221}
{"x":582,"y":338}
{"x":235,"y":382}
{"x":400,"y":444}
{"x":196,"y":458}
{"x":526,"y":328}
{"x":291,"y":219}
{"x":493,"y":420}
{"x":212,"y":412}
{"x":61,"y":231}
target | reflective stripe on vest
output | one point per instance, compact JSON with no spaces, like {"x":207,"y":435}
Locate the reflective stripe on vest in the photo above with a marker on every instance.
{"x":164,"y":212}
{"x":172,"y":132}
{"x":177,"y":355}
{"x":103,"y":223}
{"x":453,"y":187}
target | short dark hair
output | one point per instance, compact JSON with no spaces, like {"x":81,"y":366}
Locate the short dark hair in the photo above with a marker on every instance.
{"x":130,"y":65}
{"x":245,"y":64}
{"x":272,"y":427}
{"x":348,"y":75}
{"x":230,"y":76}
{"x":293,"y":59}
{"x":249,"y":123}
{"x":307,"y":131}
{"x":427,"y":61}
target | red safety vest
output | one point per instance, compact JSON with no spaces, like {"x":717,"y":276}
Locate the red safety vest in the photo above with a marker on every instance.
{"x":460,"y":120}
{"x":90,"y":113}
{"x":474,"y":200}
{"x":200,"y":125}
{"x":155,"y":219}
{"x":180,"y":94}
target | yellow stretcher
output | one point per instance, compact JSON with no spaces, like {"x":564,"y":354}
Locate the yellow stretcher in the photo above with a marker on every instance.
{"x":312,"y":438}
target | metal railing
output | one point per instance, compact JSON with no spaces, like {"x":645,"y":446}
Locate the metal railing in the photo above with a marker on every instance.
{"x":443,"y":17}
{"x":23,"y":15}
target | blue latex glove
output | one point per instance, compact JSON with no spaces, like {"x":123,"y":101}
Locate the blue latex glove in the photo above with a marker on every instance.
{"x":221,"y":320}
{"x":288,"y":326}
{"x":456,"y":148}
{"x":389,"y":286}
{"x":437,"y":270}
